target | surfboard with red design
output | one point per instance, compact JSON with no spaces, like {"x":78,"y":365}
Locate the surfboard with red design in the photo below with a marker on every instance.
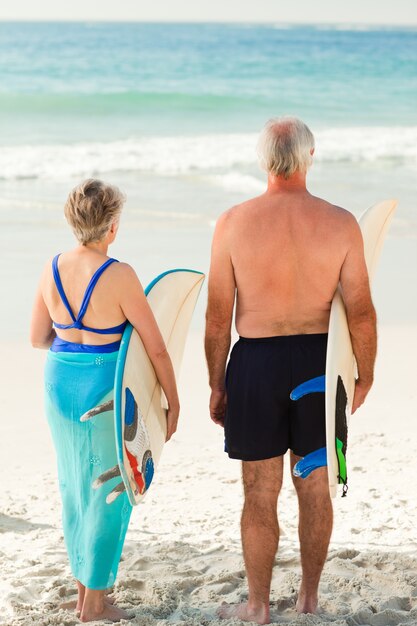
{"x":139,"y":403}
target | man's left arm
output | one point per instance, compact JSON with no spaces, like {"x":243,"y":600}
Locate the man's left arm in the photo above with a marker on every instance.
{"x":221,"y":298}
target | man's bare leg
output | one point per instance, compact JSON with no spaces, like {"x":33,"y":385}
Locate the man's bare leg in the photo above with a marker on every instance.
{"x":96,"y":608}
{"x":314,"y":529}
{"x":262,"y":482}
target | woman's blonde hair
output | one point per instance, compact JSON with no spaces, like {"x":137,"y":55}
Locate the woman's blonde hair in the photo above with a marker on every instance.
{"x":91,"y":208}
{"x":285,"y":146}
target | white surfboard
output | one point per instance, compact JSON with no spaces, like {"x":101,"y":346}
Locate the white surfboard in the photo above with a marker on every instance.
{"x":139,"y":403}
{"x":340,"y":362}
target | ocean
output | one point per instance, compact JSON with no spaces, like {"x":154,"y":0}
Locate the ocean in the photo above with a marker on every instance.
{"x":171,"y":114}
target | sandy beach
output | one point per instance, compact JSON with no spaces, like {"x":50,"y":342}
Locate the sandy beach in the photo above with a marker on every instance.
{"x":182,"y":556}
{"x":171,"y":114}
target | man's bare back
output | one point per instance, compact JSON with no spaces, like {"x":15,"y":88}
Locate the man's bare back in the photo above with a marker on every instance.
{"x":287,"y":249}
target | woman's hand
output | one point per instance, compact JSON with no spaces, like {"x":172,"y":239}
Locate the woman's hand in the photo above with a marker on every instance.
{"x":172,"y":420}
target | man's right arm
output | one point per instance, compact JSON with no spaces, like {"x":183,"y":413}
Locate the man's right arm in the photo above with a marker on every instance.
{"x":221,"y":297}
{"x":360,"y":311}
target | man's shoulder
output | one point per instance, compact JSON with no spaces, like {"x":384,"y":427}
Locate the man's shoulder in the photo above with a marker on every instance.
{"x":341,"y":224}
{"x":343,"y":216}
{"x":239,"y":210}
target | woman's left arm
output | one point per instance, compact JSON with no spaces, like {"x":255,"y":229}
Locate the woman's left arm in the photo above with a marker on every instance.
{"x":42,"y":332}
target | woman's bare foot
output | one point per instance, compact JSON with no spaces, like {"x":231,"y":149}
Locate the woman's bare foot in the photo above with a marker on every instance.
{"x":259,"y":614}
{"x":69,"y":606}
{"x":108,"y":612}
{"x":97,"y":607}
{"x":306,"y":604}
{"x":72,"y":605}
{"x":109,"y":598}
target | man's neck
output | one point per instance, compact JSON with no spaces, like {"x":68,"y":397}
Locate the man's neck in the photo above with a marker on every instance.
{"x":295,"y":183}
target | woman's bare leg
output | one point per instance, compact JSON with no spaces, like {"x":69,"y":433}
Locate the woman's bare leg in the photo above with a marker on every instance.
{"x":77,"y":604}
{"x":80,"y":599}
{"x":109,"y":595}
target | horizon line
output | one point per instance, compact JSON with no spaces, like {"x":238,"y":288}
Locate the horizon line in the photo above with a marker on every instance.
{"x":174,"y":22}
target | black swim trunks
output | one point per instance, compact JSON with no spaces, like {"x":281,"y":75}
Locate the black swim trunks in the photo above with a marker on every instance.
{"x":275,"y":396}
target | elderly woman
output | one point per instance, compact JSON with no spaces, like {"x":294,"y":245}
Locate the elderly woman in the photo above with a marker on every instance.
{"x":88,"y":298}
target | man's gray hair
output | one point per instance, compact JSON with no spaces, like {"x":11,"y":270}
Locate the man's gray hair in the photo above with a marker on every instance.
{"x":285,"y":146}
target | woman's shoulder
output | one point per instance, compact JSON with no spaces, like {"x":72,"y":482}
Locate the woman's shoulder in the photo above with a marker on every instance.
{"x":123,"y":268}
{"x":47,"y":266}
{"x":125,"y":272}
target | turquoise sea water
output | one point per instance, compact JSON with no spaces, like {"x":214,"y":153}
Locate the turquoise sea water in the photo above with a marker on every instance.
{"x":171,"y":113}
{"x":226,"y":77}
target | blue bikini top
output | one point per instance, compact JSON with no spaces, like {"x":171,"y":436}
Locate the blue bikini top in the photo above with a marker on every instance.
{"x":77,"y":321}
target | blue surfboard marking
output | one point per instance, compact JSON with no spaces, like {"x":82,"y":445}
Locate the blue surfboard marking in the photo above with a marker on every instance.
{"x":129,"y":407}
{"x":314,"y":385}
{"x":118,"y":388}
{"x":149,"y":472}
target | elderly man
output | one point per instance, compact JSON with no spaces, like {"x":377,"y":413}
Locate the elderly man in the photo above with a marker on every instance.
{"x":282,"y":255}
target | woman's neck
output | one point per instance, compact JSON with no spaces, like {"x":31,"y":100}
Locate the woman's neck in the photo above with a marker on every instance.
{"x":100,"y":247}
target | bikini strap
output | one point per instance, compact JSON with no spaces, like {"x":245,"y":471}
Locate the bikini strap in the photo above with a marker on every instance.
{"x":90,"y":287}
{"x":58,"y":283}
{"x":77,"y":321}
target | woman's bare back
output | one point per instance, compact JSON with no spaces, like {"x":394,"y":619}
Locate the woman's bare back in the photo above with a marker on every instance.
{"x":76,"y":269}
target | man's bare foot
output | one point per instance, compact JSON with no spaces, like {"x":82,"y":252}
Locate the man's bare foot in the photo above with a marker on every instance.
{"x":260,"y":614}
{"x":109,"y":612}
{"x":306,"y":604}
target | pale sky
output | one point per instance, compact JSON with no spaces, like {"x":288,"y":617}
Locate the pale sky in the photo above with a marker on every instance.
{"x":305,"y":11}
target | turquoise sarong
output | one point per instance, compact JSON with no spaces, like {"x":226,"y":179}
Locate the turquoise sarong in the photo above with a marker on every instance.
{"x":94,"y":531}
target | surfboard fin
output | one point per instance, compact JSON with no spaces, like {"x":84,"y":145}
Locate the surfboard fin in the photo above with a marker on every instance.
{"x":113,"y":472}
{"x":115,"y":493}
{"x":101,"y":408}
{"x":310,"y":462}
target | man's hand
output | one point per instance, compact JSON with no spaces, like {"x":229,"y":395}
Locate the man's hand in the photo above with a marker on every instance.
{"x":361,"y":391}
{"x":219,"y":315}
{"x":218,"y":400}
{"x":172,"y":421}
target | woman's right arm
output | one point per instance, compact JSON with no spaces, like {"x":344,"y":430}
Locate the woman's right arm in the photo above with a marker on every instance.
{"x":42,"y":332}
{"x":136,"y":308}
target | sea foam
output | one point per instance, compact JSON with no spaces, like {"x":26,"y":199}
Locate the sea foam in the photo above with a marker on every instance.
{"x":215,"y":154}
